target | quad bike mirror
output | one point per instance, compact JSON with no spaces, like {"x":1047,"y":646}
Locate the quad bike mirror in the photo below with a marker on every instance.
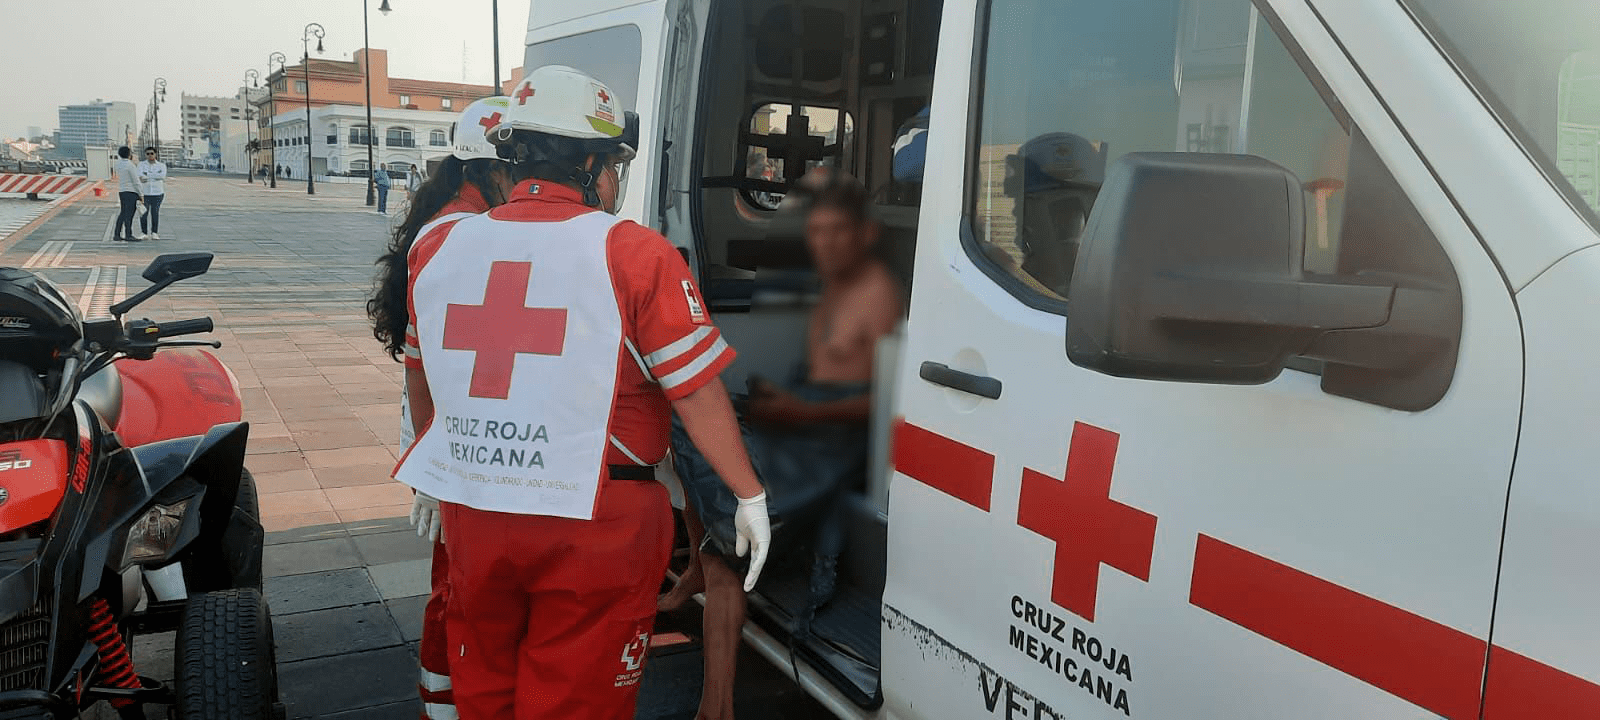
{"x":177,"y":266}
{"x":163,"y":271}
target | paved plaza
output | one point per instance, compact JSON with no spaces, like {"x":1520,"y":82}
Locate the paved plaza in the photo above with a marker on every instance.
{"x":346,"y":577}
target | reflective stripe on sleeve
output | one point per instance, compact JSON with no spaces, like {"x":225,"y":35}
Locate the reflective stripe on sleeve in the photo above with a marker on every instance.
{"x":675,"y":350}
{"x":688,"y":372}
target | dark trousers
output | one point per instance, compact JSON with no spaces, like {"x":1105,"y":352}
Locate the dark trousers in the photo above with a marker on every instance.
{"x":383,"y":198}
{"x":130,"y":205}
{"x":150,"y":221}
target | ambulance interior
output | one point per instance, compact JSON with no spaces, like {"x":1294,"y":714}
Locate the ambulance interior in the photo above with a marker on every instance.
{"x":785,"y":85}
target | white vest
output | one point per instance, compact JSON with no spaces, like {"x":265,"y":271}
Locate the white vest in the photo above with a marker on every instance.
{"x":520,"y":333}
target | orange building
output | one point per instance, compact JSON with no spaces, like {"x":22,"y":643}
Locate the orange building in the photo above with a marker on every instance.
{"x":342,"y":82}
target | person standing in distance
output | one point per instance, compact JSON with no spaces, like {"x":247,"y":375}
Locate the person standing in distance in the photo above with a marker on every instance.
{"x":555,"y":343}
{"x":155,"y":190}
{"x":470,"y":180}
{"x":381,"y":181}
{"x":129,"y":189}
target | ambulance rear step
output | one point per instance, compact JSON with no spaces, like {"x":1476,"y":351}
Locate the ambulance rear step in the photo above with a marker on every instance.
{"x":813,"y":682}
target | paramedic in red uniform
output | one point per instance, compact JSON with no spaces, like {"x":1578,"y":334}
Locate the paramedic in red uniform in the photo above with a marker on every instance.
{"x":470,"y":180}
{"x":555,"y":343}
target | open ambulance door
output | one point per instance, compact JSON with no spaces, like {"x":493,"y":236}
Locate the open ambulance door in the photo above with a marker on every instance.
{"x":624,"y":44}
{"x":1210,"y":391}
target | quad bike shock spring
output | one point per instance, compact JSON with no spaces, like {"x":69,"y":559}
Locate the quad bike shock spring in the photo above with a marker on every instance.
{"x":116,"y":665}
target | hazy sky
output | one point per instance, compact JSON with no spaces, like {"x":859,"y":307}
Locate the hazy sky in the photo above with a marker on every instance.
{"x":60,"y":52}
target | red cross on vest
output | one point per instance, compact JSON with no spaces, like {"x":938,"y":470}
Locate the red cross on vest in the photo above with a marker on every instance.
{"x":523,"y":94}
{"x":604,"y":97}
{"x":1089,"y":528}
{"x":489,"y":121}
{"x":502,"y":328}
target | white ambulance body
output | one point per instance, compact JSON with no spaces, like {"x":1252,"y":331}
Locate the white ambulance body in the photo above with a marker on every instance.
{"x":1250,"y":366}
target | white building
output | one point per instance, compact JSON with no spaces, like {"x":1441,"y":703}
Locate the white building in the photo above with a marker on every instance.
{"x":338,"y":139}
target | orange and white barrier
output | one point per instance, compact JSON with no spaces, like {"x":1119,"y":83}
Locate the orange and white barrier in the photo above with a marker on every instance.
{"x":16,"y":185}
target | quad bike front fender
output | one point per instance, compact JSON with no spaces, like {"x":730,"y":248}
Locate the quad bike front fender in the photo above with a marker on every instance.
{"x":203,"y":468}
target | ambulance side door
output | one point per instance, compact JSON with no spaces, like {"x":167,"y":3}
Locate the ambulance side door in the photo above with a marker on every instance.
{"x":622,"y":43}
{"x":1100,"y":540}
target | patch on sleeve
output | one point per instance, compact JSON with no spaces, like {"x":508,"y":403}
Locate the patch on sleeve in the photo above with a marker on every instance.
{"x":697,"y":311}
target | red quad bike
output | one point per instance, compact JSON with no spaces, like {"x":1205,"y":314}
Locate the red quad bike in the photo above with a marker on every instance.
{"x":124,"y":507}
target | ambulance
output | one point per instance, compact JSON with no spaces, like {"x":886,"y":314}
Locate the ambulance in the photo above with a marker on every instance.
{"x":1249,"y":369}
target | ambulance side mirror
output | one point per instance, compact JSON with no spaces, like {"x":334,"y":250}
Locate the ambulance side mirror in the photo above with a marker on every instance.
{"x":1191,"y":269}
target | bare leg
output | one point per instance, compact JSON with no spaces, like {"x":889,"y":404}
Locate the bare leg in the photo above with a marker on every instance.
{"x":724,"y":619}
{"x":693,"y":579}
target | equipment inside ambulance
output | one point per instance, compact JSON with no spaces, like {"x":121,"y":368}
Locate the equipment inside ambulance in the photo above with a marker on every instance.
{"x":1248,"y":368}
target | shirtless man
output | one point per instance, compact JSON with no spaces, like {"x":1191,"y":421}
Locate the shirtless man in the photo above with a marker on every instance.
{"x":807,"y":440}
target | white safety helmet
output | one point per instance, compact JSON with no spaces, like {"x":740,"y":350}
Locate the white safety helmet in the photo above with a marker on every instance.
{"x":564,"y":116}
{"x":561,"y":101}
{"x":469,"y":134}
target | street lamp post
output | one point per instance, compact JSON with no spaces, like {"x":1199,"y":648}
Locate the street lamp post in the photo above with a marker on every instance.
{"x":251,"y":79}
{"x":495,"y":10}
{"x":272,"y":100}
{"x":157,"y":94}
{"x":312,"y":30}
{"x":366,"y":68}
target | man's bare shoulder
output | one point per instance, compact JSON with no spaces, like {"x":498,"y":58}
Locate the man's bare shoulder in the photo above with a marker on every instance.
{"x":882,"y":291}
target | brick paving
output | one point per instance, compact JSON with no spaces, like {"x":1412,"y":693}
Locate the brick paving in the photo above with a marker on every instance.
{"x":347,"y":578}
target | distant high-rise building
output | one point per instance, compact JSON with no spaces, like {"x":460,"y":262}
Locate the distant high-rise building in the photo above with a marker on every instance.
{"x":97,"y":123}
{"x":34,"y":133}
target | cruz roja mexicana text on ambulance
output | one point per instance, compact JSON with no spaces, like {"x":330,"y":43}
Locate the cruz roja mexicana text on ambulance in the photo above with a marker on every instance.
{"x":1045,"y":636}
{"x":491,"y":430}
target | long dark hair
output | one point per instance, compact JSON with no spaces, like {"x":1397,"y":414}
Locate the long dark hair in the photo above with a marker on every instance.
{"x":387,"y":306}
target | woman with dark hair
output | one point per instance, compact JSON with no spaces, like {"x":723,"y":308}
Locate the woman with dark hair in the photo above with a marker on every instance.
{"x":471,"y":180}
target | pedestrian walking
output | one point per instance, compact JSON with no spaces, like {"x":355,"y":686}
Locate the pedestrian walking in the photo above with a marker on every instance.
{"x":471,"y":180}
{"x":381,"y":181}
{"x":555,"y":341}
{"x":154,"y":173}
{"x":129,"y":190}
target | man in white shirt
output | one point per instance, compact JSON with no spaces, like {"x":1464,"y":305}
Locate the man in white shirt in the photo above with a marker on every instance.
{"x":154,"y":173}
{"x":129,"y":189}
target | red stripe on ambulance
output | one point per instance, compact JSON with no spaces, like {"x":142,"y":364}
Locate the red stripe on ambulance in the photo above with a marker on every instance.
{"x":1418,"y":660}
{"x":956,"y":469}
{"x":1521,"y":688}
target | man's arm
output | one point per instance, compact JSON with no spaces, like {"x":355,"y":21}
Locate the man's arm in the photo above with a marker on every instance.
{"x":775,"y":405}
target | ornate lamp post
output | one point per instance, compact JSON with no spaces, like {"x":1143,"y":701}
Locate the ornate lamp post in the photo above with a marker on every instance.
{"x":251,"y":79}
{"x":157,"y":94}
{"x":312,"y":30}
{"x":366,"y":68}
{"x":272,"y":101}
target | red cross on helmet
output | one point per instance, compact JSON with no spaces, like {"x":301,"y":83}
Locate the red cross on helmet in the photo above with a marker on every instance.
{"x":564,"y":102}
{"x":468,"y":135}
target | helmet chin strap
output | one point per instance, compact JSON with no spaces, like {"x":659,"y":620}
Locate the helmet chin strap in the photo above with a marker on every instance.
{"x":587,"y":179}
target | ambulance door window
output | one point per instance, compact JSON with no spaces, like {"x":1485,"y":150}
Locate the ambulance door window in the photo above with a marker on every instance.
{"x":610,"y":55}
{"x":1069,"y":86}
{"x":779,"y":149}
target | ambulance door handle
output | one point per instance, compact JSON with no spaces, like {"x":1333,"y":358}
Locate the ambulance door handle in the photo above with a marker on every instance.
{"x":941,"y":374}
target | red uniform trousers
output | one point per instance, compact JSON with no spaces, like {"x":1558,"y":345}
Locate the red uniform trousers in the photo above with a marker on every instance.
{"x":550,"y":618}
{"x":438,"y":702}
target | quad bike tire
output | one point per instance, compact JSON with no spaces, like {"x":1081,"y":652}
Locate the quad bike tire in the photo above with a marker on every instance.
{"x":226,"y":666}
{"x":248,"y":502}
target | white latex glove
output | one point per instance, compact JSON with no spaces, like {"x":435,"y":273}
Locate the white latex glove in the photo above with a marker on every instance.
{"x":754,"y":529}
{"x":425,"y":517}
